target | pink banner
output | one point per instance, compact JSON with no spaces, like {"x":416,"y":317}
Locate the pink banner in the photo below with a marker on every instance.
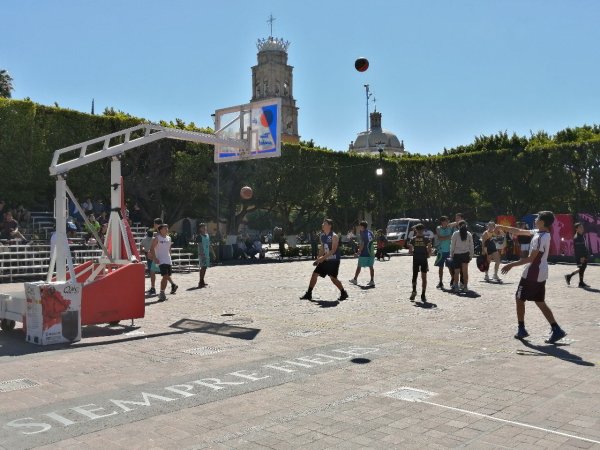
{"x":562,"y":235}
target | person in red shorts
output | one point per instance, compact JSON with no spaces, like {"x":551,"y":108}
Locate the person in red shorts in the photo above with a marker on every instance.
{"x":532,"y":286}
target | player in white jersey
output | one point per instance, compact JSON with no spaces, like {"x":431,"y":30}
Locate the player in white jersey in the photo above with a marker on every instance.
{"x":533,"y":281}
{"x":161,"y":255}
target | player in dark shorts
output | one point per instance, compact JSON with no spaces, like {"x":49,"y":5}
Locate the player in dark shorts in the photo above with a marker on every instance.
{"x":532,"y":286}
{"x":328,"y":262}
{"x":581,"y":256}
{"x":420,"y":247}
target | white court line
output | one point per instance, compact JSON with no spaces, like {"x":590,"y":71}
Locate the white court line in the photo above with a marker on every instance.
{"x":520,"y":424}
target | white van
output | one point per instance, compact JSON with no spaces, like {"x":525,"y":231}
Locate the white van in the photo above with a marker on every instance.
{"x":399,"y":231}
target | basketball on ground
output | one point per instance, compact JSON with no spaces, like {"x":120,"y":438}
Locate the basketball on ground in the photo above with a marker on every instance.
{"x":361,"y":64}
{"x":246,"y":192}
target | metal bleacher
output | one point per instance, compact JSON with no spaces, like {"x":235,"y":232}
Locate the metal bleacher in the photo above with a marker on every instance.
{"x":30,"y":262}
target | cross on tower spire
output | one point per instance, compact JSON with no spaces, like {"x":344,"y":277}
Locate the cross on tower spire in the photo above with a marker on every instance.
{"x":270,"y":21}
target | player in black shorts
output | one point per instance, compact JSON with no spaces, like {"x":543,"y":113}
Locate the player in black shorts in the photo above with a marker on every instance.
{"x":420,"y":247}
{"x":328,"y":262}
{"x":581,"y":256}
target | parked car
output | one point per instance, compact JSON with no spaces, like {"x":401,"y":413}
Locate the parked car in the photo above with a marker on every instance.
{"x":399,"y":231}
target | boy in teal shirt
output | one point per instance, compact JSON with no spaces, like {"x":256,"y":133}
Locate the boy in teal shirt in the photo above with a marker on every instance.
{"x":443,"y":237}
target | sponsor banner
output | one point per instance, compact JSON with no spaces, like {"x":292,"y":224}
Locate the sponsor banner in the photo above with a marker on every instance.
{"x":53,"y":312}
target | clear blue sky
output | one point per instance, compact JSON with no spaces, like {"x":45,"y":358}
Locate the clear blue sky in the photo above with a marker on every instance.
{"x":441,"y":71}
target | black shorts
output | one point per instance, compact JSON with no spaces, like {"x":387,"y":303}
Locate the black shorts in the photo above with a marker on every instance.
{"x":461,"y":258}
{"x":490,"y":247}
{"x":166,"y":269}
{"x":531,"y":290}
{"x":420,"y":266}
{"x":328,"y":268}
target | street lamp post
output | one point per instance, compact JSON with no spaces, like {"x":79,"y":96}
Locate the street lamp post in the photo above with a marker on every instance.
{"x":379,"y":173}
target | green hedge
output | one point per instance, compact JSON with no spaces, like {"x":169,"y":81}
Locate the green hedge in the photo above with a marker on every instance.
{"x":297,"y":190}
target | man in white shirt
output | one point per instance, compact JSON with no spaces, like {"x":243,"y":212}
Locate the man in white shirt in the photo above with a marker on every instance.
{"x":532,"y":286}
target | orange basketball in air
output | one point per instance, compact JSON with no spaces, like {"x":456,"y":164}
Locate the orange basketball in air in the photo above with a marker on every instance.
{"x":246,"y":192}
{"x":361,"y":64}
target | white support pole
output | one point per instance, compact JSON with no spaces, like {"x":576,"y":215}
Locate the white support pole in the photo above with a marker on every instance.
{"x":115,"y":205}
{"x":62,"y":252}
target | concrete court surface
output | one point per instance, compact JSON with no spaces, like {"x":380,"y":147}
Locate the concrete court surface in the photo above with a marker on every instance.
{"x":245,"y":364}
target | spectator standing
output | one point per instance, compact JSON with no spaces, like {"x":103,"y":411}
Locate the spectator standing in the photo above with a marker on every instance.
{"x":581,"y":255}
{"x":381,"y":243}
{"x":443,"y":237}
{"x":154,"y":231}
{"x":532,"y":286}
{"x":365,"y":253}
{"x":314,"y":245}
{"x":461,"y":252}
{"x":489,"y":249}
{"x":420,"y":247}
{"x":161,"y":254}
{"x":203,"y":240}
{"x":145,"y":246}
{"x":328,"y":263}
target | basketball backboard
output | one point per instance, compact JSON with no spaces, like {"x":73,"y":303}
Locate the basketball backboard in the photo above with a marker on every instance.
{"x":259,"y":123}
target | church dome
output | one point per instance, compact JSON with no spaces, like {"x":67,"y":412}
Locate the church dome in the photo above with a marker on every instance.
{"x":369,"y":141}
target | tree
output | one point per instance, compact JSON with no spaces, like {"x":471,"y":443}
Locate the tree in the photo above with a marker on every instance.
{"x":6,"y":86}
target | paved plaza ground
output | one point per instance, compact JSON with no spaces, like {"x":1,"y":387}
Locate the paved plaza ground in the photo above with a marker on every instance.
{"x":245,"y":364}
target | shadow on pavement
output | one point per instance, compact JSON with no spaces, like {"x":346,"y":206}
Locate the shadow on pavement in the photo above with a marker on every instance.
{"x":590,"y":289}
{"x":426,"y":305}
{"x":365,"y":288}
{"x":555,"y":350}
{"x":325,"y":303}
{"x":360,"y":361}
{"x":13,"y":343}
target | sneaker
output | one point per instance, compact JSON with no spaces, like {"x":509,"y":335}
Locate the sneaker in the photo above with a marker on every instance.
{"x":423,"y":299}
{"x":521,"y":333}
{"x":496,"y":277}
{"x":413,"y":295}
{"x":461,"y":287}
{"x":371,"y":283}
{"x":486,"y":277}
{"x":568,"y":279}
{"x":307,"y":296}
{"x":556,"y":335}
{"x":353,"y":281}
{"x":174,"y":288}
{"x":454,"y":288}
{"x":152,"y":291}
{"x":440,"y":285}
{"x":583,"y":285}
{"x":162,"y":297}
{"x":343,"y":296}
{"x":464,"y":288}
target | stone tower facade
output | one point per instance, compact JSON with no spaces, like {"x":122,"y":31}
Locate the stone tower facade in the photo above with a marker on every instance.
{"x":272,"y":78}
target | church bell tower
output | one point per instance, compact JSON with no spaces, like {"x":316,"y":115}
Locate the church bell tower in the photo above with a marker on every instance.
{"x":272,"y":78}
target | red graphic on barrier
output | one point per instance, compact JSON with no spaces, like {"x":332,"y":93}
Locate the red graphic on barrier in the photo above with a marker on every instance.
{"x":53,"y":305}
